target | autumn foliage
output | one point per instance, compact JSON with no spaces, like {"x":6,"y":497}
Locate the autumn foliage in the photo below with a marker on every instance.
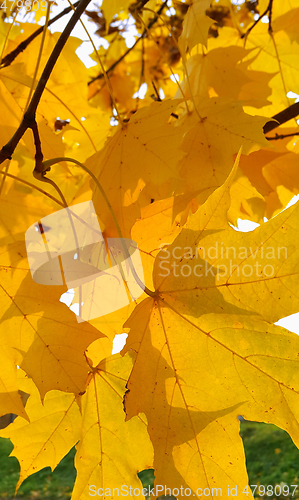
{"x":213,"y":139}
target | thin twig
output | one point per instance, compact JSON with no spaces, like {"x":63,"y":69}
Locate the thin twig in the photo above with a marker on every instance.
{"x":9,"y":58}
{"x":29,"y":117}
{"x":41,"y":48}
{"x":150,"y":24}
{"x":268,"y":10}
{"x":270,"y":6}
{"x":47,"y":164}
{"x":282,"y":136}
{"x":141,"y":79}
{"x":157,"y":96}
{"x":113,"y":100}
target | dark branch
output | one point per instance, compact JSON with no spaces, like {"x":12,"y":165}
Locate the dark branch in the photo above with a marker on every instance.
{"x":38,"y":148}
{"x":9,"y":58}
{"x":29,"y":117}
{"x":270,"y":7}
{"x":282,"y":136}
{"x":282,"y":117}
{"x":267,"y":11}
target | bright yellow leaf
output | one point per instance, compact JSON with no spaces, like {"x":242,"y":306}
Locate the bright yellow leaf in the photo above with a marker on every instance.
{"x":54,"y":428}
{"x":196,"y":25}
{"x":113,"y":7}
{"x":212,"y":354}
{"x":109,"y":455}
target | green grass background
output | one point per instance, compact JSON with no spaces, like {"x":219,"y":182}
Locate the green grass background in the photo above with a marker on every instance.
{"x":271,"y":457}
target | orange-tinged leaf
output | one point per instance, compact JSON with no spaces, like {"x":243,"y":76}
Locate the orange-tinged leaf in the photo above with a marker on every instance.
{"x":215,"y":131}
{"x":65,"y":96}
{"x":140,"y":153}
{"x":275,"y":176}
{"x":10,"y":114}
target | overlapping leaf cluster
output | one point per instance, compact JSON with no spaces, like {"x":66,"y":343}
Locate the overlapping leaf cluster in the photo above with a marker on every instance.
{"x":202,"y":347}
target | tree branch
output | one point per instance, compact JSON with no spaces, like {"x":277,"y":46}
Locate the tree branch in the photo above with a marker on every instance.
{"x":282,"y":117}
{"x":268,"y":10}
{"x":9,"y":58}
{"x":282,"y":136}
{"x":29,"y":117}
{"x":38,"y":148}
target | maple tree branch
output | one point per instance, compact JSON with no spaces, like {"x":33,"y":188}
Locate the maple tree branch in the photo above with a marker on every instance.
{"x":268,"y":10}
{"x":282,"y":117}
{"x":38,"y":148}
{"x":150,"y":24}
{"x":282,"y":136}
{"x":270,"y":6}
{"x":157,"y":96}
{"x":29,"y":117}
{"x":9,"y":58}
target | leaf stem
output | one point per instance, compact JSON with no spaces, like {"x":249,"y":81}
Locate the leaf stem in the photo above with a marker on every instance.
{"x":41,"y":177}
{"x":150,"y":24}
{"x":47,"y":164}
{"x":104,"y":73}
{"x":6,"y":174}
{"x":39,"y":55}
{"x":6,"y":38}
{"x":183,"y":61}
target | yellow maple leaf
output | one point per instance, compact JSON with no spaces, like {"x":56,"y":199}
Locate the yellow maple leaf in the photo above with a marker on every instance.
{"x":113,"y":7}
{"x":52,"y":431}
{"x":221,"y":72}
{"x":10,"y":399}
{"x":134,"y":157}
{"x":108,"y":455}
{"x":52,"y":355}
{"x":210,"y":346}
{"x":202,"y":348}
{"x":195,"y":26}
{"x":216,"y":130}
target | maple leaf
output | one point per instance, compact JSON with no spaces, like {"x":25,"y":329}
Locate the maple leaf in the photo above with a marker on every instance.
{"x":52,"y":431}
{"x":222,"y":72}
{"x":106,"y":438}
{"x":213,"y":135}
{"x":213,"y":327}
{"x":118,"y":165}
{"x":50,"y":341}
{"x":113,"y":7}
{"x":10,"y":399}
{"x":196,"y":25}
{"x":202,"y":348}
